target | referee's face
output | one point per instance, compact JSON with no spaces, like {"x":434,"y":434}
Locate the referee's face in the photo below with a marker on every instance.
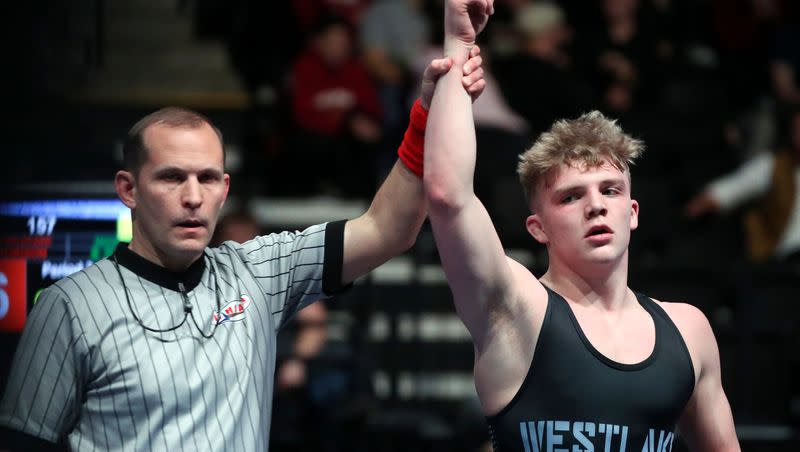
{"x":177,"y":195}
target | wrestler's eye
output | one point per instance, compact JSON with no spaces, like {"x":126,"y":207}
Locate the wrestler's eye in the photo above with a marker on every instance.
{"x":569,"y":198}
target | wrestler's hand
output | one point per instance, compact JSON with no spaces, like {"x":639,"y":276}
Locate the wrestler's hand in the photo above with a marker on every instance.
{"x":464,"y":19}
{"x":472,"y":80}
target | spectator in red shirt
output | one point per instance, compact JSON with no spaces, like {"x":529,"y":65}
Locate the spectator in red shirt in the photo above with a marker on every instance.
{"x":335,"y":108}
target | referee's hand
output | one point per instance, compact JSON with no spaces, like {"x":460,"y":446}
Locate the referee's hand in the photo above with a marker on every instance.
{"x":472,"y":78}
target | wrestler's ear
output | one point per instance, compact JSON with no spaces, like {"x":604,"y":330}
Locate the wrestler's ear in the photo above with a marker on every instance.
{"x":534,"y":226}
{"x":634,"y":214}
{"x":125,"y":184}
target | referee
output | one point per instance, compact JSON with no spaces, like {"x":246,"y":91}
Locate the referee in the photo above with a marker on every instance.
{"x":169,"y":344}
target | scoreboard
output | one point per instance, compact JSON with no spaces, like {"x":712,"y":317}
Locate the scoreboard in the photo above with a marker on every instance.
{"x":44,"y":240}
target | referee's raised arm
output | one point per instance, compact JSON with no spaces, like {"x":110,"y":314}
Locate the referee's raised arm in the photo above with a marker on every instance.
{"x":393,"y":220}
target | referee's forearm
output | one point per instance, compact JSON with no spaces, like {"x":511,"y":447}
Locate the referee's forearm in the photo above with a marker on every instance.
{"x":388,"y":228}
{"x":398,"y":210}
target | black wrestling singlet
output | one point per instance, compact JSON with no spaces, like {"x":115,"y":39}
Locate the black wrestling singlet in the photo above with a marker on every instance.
{"x":574,"y":399}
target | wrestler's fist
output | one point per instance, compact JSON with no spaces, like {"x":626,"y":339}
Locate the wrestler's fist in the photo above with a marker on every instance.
{"x":464,"y":19}
{"x":472,"y":78}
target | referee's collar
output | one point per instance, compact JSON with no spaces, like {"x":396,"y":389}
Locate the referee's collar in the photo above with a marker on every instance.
{"x":158,"y":274}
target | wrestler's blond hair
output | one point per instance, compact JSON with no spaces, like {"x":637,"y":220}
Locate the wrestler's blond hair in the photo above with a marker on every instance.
{"x":589,"y":140}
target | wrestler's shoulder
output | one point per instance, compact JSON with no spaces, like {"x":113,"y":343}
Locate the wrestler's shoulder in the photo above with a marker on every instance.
{"x":690,"y":321}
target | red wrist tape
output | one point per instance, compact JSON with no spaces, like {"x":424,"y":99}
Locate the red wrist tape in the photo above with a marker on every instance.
{"x":411,"y":150}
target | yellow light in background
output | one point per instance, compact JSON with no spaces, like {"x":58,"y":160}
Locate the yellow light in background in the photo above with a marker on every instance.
{"x":124,"y":227}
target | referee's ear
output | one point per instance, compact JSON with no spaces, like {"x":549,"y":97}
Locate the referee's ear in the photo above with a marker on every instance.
{"x":125,"y":184}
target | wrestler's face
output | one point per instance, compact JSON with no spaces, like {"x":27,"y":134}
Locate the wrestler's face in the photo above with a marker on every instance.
{"x":585,"y":215}
{"x":176,"y":196}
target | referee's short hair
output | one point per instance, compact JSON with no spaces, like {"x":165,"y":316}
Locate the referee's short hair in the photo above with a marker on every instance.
{"x":134,"y":149}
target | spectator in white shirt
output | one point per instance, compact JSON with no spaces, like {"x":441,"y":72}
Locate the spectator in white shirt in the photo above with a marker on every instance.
{"x":771,"y":181}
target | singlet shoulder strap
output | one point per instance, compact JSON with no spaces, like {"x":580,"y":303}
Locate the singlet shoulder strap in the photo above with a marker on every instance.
{"x":664,"y":323}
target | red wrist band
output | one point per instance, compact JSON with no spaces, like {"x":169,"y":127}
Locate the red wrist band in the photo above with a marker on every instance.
{"x":412,"y":148}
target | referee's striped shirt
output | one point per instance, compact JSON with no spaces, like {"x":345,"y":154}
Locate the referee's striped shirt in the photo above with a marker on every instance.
{"x":85,"y":369}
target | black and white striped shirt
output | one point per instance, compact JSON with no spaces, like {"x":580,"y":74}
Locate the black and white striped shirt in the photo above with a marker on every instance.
{"x":85,"y":369}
